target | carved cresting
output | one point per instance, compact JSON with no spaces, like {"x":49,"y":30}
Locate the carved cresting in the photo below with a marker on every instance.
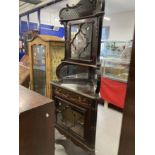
{"x":69,"y":95}
{"x":82,"y":9}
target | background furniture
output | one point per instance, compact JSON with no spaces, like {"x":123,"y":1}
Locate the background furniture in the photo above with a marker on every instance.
{"x":24,"y":71}
{"x":113,"y":91}
{"x":23,"y":45}
{"x":115,"y":69}
{"x":76,"y":93}
{"x":24,"y":75}
{"x":36,"y":123}
{"x":45,"y":53}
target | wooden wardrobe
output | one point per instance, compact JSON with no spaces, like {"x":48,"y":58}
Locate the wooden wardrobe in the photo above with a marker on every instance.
{"x":45,"y":54}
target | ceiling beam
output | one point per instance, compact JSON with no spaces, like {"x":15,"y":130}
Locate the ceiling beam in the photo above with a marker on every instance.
{"x":39,"y":7}
{"x":31,"y":1}
{"x":21,"y":4}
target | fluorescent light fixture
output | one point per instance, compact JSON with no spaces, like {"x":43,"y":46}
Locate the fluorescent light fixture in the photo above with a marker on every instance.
{"x":107,"y":18}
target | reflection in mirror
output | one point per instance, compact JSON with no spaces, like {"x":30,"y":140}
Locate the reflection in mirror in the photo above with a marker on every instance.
{"x":79,"y":78}
{"x":73,"y":72}
{"x":39,"y":73}
{"x":81,"y":37}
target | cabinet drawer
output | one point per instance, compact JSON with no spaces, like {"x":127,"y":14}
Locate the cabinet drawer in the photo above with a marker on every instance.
{"x":73,"y":97}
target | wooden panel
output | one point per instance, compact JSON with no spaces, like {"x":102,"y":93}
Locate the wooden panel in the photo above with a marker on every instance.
{"x":36,"y":124}
{"x":127,"y":140}
{"x":29,"y":99}
{"x":24,"y":75}
{"x":57,"y":54}
{"x":25,"y":60}
{"x":24,"y":71}
{"x":73,"y":97}
{"x":36,"y":132}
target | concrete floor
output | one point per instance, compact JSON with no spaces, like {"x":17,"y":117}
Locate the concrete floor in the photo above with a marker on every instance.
{"x":107,"y":135}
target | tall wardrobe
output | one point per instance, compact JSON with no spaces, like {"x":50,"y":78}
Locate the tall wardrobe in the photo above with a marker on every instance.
{"x":45,"y":54}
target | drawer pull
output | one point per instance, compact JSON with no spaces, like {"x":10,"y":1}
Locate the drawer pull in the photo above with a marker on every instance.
{"x":47,"y":115}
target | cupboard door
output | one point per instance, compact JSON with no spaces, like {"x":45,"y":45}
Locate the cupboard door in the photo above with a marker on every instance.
{"x":70,"y":117}
{"x":39,"y":68}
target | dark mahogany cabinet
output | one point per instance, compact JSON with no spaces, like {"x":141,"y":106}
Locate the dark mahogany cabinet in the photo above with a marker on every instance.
{"x":75,"y":114}
{"x":36,"y":123}
{"x":76,"y":93}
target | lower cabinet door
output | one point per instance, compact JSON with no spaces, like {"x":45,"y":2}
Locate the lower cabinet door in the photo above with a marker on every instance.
{"x":71,"y":117}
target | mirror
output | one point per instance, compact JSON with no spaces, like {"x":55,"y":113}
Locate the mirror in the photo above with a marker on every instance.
{"x":73,"y":72}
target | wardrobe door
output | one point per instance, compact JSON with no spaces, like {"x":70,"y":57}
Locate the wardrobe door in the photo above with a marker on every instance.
{"x":39,"y":68}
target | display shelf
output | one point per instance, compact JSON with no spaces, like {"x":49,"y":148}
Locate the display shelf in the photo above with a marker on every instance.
{"x":115,"y":60}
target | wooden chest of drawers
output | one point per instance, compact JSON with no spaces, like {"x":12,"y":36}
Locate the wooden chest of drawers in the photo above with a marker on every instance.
{"x":36,"y":124}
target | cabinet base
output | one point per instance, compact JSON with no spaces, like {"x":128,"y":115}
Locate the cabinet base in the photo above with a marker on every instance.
{"x":75,"y":141}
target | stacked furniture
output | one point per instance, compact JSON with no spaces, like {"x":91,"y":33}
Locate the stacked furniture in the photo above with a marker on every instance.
{"x":24,"y":71}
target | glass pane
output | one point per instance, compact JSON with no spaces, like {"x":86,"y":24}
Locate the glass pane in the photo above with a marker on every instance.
{"x":39,"y":69}
{"x":70,"y":117}
{"x":116,"y":49}
{"x":116,"y":59}
{"x":116,"y":70}
{"x":81,"y":36}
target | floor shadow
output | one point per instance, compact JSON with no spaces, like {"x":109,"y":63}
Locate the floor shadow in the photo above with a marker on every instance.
{"x":71,"y":148}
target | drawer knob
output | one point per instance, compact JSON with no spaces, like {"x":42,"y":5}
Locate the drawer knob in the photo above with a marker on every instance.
{"x":47,"y":115}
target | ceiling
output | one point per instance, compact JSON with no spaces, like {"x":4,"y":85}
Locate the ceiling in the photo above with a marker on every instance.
{"x":112,"y":6}
{"x":24,"y":6}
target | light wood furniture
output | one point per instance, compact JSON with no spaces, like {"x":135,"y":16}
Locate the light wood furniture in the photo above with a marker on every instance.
{"x":45,"y":53}
{"x":24,"y":75}
{"x":36,"y":123}
{"x":24,"y":71}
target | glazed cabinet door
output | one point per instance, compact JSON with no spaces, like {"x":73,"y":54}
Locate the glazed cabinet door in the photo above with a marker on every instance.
{"x":70,"y":117}
{"x":39,"y":69}
{"x":38,"y":72}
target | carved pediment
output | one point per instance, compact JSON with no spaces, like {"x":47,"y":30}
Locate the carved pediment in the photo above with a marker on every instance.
{"x":82,"y":9}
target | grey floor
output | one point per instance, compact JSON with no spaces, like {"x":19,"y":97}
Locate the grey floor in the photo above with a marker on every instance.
{"x":107,"y":135}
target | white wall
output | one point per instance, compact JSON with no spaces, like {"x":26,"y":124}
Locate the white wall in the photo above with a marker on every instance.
{"x":121,"y":26}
